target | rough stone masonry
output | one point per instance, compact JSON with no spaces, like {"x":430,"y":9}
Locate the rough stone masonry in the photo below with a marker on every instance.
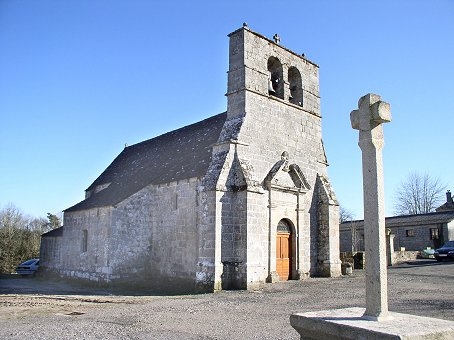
{"x":231,"y":202}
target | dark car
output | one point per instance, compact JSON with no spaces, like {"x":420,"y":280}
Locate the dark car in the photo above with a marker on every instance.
{"x":28,"y":267}
{"x":445,"y":252}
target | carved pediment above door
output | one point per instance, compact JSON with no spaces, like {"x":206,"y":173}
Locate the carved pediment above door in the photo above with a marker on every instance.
{"x":286,"y":177}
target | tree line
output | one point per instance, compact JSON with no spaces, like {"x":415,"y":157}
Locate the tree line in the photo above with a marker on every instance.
{"x":417,"y":194}
{"x":20,"y":236}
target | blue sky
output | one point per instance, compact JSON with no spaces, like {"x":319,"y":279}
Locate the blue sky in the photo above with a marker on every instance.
{"x":79,"y":79}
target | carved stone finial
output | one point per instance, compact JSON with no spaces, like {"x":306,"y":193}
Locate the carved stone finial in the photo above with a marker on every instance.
{"x":284,"y":156}
{"x":277,"y":38}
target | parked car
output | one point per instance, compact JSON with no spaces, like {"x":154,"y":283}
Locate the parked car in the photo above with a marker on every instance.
{"x":28,"y":267}
{"x":445,"y":252}
{"x":427,"y":253}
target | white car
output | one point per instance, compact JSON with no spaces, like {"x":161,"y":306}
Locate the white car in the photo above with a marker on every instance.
{"x":28,"y":267}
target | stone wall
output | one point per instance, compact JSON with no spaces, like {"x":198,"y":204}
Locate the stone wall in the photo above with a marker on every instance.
{"x":328,"y":262}
{"x":265,"y":126}
{"x":414,"y":238}
{"x":234,"y":239}
{"x":149,"y":240}
{"x":248,"y":68}
{"x":50,"y":253}
{"x":258,"y":131}
{"x":411,"y":236}
{"x":403,"y":256}
{"x":85,"y":245}
{"x":209,"y":270}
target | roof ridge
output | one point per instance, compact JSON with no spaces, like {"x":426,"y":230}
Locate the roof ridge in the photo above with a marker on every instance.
{"x":168,"y":133}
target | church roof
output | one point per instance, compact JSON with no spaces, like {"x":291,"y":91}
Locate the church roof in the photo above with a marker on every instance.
{"x":176,"y":155}
{"x":54,"y":232}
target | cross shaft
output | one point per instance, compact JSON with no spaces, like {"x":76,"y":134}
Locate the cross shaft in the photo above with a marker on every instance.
{"x":368,"y":119}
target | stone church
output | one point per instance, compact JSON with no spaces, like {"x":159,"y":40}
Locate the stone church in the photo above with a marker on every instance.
{"x":230,"y":202}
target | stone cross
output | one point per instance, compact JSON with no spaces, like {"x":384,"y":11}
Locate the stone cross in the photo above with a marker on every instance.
{"x":368,"y":119}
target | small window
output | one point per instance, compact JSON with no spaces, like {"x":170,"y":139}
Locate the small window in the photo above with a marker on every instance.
{"x":175,"y":202}
{"x":410,"y":232}
{"x":434,"y":233}
{"x":84,"y":240}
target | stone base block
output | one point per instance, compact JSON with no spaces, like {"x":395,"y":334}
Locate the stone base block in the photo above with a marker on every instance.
{"x":272,"y":277}
{"x":349,"y":324}
{"x":330,"y":268}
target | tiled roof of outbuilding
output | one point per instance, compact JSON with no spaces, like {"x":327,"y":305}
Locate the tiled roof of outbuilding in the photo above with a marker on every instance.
{"x":434,"y":217}
{"x":410,"y":220}
{"x":179,"y":154}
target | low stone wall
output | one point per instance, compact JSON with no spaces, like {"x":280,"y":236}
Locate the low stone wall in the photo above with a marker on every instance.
{"x":357,"y":259}
{"x":403,"y":256}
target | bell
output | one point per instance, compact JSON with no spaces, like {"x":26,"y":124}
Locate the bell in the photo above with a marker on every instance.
{"x":270,"y":86}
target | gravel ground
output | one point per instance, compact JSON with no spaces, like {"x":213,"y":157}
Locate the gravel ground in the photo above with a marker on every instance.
{"x":33,"y":308}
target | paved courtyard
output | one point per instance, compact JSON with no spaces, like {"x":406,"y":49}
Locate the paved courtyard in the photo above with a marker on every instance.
{"x":33,"y":308}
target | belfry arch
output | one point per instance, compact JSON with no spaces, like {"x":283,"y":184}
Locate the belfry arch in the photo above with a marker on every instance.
{"x":275,"y":81}
{"x":296,"y":86}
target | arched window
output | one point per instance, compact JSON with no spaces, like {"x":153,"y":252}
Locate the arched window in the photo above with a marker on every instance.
{"x":296,"y":86}
{"x":284,"y":227}
{"x":275,"y":80}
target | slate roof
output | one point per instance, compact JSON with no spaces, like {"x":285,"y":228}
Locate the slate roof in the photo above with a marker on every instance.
{"x":54,"y":232}
{"x":411,"y":220}
{"x":179,"y":154}
{"x":449,"y":205}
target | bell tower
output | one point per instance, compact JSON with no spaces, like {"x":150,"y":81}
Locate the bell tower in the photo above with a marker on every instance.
{"x":269,"y":167}
{"x":262,"y":66}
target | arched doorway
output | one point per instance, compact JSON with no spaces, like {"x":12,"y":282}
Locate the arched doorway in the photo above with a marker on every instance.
{"x":284,"y":250}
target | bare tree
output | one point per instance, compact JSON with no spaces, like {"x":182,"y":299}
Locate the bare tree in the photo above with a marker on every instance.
{"x":345,"y":215}
{"x":357,"y":237}
{"x":20,"y":237}
{"x":418,"y":194}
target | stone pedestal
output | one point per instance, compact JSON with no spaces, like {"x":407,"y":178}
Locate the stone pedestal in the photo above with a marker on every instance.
{"x":349,"y":323}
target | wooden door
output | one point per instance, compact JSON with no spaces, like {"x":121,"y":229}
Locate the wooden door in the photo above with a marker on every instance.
{"x":283,"y":255}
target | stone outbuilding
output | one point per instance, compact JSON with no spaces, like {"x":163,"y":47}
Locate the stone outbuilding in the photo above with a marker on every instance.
{"x":230,"y":202}
{"x":409,"y":232}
